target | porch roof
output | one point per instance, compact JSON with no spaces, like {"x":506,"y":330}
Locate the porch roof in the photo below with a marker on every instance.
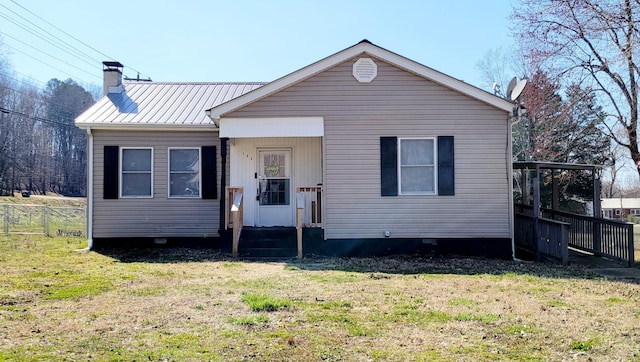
{"x":554,"y":166}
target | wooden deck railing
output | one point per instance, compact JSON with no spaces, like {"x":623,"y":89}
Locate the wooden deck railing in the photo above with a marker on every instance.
{"x":234,"y":215}
{"x":546,"y":238}
{"x":613,"y":239}
{"x":602,"y":237}
{"x":308,"y":211}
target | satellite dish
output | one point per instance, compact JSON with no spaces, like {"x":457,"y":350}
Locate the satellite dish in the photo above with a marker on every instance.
{"x":512,"y":84}
{"x":518,"y":89}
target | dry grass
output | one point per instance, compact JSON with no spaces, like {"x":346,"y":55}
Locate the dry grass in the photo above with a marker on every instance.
{"x":180,"y":304}
{"x":51,"y":200}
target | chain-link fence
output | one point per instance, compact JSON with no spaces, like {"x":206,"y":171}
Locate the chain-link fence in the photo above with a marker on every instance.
{"x":43,"y":219}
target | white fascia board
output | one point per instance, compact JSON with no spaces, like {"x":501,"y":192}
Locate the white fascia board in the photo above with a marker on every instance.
{"x":335,"y":59}
{"x":272,"y":127}
{"x":146,"y":127}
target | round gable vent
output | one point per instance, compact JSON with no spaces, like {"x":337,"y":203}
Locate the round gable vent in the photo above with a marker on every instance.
{"x":365,"y":70}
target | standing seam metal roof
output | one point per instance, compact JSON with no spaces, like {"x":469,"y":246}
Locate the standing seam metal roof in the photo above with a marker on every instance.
{"x":158,"y":104}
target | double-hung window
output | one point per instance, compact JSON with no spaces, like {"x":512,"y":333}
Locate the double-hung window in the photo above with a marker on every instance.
{"x":136,"y":173}
{"x":417,"y":166}
{"x":417,"y":171}
{"x":184,"y":172}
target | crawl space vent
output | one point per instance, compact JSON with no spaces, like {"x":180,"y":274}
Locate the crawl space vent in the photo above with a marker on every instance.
{"x":365,"y":70}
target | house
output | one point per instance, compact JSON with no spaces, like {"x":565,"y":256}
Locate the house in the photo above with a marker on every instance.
{"x":620,"y":208}
{"x":395,"y":155}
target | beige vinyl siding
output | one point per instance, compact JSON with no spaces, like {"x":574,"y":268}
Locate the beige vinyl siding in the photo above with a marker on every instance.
{"x":399,"y":103}
{"x":306,"y":159}
{"x":158,"y":216}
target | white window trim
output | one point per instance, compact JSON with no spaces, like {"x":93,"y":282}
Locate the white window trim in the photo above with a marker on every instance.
{"x":122,"y":149}
{"x":435,"y":166}
{"x":169,"y":173}
{"x":618,"y":212}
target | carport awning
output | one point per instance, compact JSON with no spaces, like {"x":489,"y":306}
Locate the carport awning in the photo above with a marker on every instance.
{"x":272,"y":127}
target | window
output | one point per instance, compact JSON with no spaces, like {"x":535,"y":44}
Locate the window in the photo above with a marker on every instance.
{"x":136,"y":172}
{"x":184,"y":172}
{"x":618,"y":211}
{"x":417,"y":167}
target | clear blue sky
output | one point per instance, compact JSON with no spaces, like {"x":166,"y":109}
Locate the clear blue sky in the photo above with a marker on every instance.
{"x":245,"y":40}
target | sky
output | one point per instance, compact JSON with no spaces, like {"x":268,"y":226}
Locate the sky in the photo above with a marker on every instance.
{"x":211,"y":41}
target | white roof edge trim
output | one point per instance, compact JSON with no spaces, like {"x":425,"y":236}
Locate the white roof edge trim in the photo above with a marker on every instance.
{"x":272,"y":127}
{"x":337,"y":58}
{"x":147,"y":127}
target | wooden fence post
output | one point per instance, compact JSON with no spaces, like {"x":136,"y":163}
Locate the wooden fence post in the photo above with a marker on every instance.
{"x":630,"y":244}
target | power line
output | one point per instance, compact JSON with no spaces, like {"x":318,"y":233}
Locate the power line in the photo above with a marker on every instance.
{"x":39,"y":61}
{"x":48,"y":37}
{"x":47,"y":54}
{"x":35,"y":118}
{"x":40,"y":99}
{"x":32,"y":28}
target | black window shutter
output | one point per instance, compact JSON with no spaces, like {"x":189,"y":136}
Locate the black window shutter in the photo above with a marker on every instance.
{"x":389,"y":166}
{"x":209,"y":186}
{"x":111,"y":172}
{"x":446,"y":171}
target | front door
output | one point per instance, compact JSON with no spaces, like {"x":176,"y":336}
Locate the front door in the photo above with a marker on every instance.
{"x":275,"y":207}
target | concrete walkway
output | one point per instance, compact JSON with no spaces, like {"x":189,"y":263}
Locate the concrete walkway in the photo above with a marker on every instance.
{"x":604,"y":267}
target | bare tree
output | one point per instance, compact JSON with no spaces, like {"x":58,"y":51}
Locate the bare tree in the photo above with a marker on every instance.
{"x":593,"y":43}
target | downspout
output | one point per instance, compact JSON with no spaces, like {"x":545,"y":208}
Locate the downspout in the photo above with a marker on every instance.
{"x":89,"y":214}
{"x":223,"y":183}
{"x":509,"y":157}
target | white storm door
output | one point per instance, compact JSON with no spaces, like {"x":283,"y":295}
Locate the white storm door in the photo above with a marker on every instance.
{"x":275,"y":204}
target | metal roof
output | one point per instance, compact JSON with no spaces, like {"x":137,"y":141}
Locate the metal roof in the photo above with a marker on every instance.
{"x":161,"y":105}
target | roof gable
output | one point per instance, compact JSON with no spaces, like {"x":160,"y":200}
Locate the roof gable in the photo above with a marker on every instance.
{"x":364,"y":47}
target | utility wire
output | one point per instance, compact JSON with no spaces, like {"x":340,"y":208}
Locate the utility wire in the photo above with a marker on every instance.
{"x":40,"y":61}
{"x":34,"y":118}
{"x":47,"y":36}
{"x":49,"y":55}
{"x":40,"y":99}
{"x":72,"y":37}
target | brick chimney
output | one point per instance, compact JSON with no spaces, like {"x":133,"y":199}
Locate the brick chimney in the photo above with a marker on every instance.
{"x":112,"y":73}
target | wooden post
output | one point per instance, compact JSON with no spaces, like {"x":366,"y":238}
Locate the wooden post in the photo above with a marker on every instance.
{"x":236,"y":210}
{"x":236,"y":231}
{"x":564,"y":243}
{"x":631,"y":262}
{"x":597,"y":208}
{"x":524,"y":186}
{"x":555,"y":197}
{"x":299,"y":208}
{"x":536,"y":212}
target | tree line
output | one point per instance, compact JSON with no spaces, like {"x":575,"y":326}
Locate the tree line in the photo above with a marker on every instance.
{"x":41,"y":150}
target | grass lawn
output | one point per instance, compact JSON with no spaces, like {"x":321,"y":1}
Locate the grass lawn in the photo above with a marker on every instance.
{"x":181,"y":304}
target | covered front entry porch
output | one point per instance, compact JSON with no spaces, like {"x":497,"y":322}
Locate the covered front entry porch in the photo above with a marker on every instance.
{"x":275,"y":177}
